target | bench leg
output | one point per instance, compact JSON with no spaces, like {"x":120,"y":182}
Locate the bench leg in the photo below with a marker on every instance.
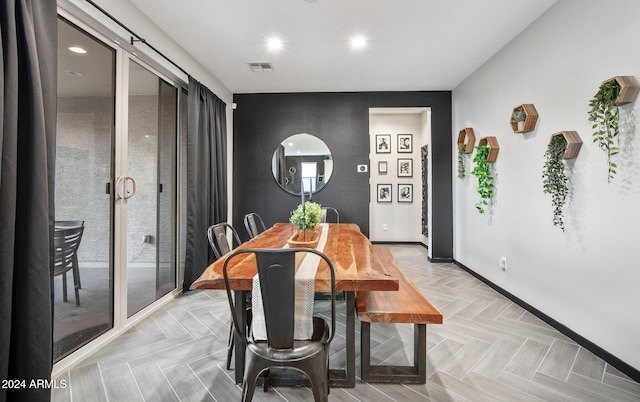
{"x":416,"y":374}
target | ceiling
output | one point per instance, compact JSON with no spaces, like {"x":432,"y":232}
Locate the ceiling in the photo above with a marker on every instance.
{"x":411,"y":44}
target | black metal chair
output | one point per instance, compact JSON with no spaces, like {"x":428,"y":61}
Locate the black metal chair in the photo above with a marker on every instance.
{"x":66,"y":242}
{"x":221,"y":245}
{"x":70,"y":224}
{"x":219,"y":240}
{"x":276,"y":270}
{"x":254,"y":224}
{"x":326,"y":215}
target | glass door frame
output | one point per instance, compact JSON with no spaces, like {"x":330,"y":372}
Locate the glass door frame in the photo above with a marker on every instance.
{"x":118,"y":239}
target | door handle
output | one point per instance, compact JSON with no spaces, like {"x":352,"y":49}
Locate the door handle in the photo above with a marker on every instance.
{"x":133,"y":187}
{"x":119,"y":187}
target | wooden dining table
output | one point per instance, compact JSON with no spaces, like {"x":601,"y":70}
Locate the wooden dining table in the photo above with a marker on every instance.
{"x":355,"y":269}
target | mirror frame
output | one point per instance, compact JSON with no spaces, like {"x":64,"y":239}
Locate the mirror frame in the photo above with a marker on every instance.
{"x":291,"y":153}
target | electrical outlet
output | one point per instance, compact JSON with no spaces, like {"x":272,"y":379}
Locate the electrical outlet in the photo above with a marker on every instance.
{"x":503,"y":263}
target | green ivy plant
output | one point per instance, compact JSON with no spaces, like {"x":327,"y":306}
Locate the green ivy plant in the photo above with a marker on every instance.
{"x":554,"y":178}
{"x":461,"y":168}
{"x":482,"y":171}
{"x":605,"y":116}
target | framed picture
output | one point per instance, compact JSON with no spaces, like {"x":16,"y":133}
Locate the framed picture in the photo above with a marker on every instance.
{"x":384,"y":192}
{"x":382,"y":167}
{"x":405,"y":143}
{"x":405,"y":167}
{"x":383,"y":143}
{"x":405,"y":192}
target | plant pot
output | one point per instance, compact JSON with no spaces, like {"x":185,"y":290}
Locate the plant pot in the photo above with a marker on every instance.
{"x":629,"y":88}
{"x":305,"y":239}
{"x":530,"y":120}
{"x":492,"y":142}
{"x":573,"y":143}
{"x":468,"y":137}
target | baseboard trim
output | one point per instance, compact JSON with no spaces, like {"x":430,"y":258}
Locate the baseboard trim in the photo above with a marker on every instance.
{"x":414,"y":243}
{"x":616,"y":362}
{"x":437,"y":260}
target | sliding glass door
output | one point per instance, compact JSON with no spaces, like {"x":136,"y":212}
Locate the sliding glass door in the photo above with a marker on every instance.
{"x":151,"y":163}
{"x":83,"y":191}
{"x":116,"y":180}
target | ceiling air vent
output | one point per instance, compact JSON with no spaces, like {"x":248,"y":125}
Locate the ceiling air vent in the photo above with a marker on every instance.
{"x":261,"y":67}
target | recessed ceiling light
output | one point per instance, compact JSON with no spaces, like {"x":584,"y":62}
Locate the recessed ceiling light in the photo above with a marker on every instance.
{"x":358,"y":42}
{"x":274,"y":44}
{"x":77,"y":49}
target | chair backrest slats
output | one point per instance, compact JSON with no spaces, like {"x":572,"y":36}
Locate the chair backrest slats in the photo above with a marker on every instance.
{"x":66,"y":243}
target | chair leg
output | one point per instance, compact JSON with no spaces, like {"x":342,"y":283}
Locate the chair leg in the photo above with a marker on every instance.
{"x":251,"y":373}
{"x":230,"y":345}
{"x":76,"y":283}
{"x":319,"y":376}
{"x":77,"y":296}
{"x":76,"y":268}
{"x":64,"y":287}
{"x":265,"y":380}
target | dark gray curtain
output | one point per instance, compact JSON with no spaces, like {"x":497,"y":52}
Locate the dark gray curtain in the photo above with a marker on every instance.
{"x":28,"y":81}
{"x":206,"y":175}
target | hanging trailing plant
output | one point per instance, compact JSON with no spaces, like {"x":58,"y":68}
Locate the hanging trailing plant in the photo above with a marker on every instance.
{"x":482,"y":171}
{"x":555,"y":179}
{"x":461,"y":167}
{"x":605,"y":116}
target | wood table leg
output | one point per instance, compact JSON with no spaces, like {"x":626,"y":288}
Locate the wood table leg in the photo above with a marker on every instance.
{"x":347,"y":378}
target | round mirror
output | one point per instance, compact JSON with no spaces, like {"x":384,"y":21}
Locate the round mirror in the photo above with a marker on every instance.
{"x":302,"y":162}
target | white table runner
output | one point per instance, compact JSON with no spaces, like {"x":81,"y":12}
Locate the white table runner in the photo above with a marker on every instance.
{"x":304,"y":295}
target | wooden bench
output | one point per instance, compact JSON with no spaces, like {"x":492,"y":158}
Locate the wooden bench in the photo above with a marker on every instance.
{"x":407,"y":305}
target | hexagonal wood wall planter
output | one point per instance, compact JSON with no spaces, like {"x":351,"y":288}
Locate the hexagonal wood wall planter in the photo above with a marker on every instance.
{"x":493,"y":147}
{"x":530,"y":120}
{"x":629,"y":88}
{"x":466,"y":136}
{"x":573,"y":143}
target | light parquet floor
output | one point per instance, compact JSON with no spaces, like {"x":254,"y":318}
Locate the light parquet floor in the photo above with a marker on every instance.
{"x":488,"y":349}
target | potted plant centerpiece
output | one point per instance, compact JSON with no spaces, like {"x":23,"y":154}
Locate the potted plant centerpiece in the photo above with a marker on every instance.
{"x":306,"y":217}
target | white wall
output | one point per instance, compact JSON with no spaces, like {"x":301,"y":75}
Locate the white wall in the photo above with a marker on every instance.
{"x":403,"y":220}
{"x":588,"y":277}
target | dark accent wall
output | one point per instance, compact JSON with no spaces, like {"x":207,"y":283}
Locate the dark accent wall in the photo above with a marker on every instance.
{"x":341,"y":120}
